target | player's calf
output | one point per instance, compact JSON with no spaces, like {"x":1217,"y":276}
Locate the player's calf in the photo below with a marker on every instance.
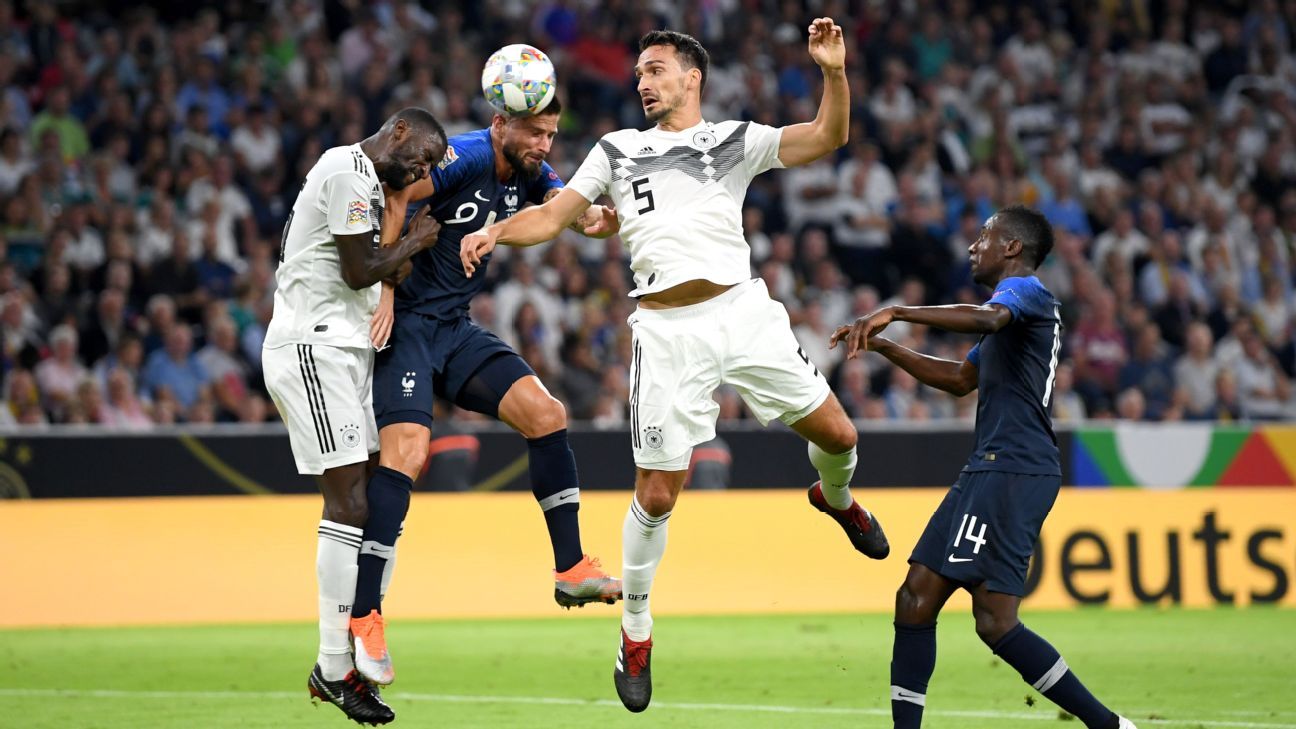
{"x":1047,"y":672}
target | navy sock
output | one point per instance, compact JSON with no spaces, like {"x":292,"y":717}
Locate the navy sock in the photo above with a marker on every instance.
{"x":389,"y":497}
{"x":913,"y":658}
{"x":1040,"y":666}
{"x":556,"y":487}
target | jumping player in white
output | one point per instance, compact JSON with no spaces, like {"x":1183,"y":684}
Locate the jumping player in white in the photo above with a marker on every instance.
{"x":319,"y":363}
{"x":678,"y":190}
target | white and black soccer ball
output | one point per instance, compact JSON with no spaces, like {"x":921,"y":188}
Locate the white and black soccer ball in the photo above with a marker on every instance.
{"x":519,"y":80}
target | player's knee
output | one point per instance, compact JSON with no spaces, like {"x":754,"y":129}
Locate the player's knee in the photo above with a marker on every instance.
{"x":912,"y":607}
{"x":990,"y":627}
{"x":655,"y":496}
{"x":351,"y":508}
{"x":547,"y":416}
{"x":656,"y":502}
{"x":406,"y":453}
{"x":845,"y":437}
{"x":841,"y":439}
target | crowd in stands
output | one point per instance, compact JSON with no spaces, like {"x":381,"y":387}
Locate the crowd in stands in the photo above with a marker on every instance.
{"x":149,"y":155}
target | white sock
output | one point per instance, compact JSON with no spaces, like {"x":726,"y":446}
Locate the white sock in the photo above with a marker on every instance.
{"x":335,"y":568}
{"x":643,"y":542}
{"x":391,"y":565}
{"x":835,"y":471}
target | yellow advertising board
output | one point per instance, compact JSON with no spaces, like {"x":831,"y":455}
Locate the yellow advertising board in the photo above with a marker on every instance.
{"x":239,"y":559}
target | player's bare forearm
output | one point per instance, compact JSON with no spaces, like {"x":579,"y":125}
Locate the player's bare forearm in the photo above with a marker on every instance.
{"x":363,"y":265}
{"x":859,"y":335}
{"x":393,"y":219}
{"x":963,"y":318}
{"x":804,"y":143}
{"x":540,"y":223}
{"x":956,"y":378}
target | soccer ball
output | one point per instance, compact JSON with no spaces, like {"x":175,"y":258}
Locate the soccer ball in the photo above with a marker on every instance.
{"x":518,"y":80}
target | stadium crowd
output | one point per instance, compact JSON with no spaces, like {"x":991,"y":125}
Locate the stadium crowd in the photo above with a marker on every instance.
{"x":149,"y":157}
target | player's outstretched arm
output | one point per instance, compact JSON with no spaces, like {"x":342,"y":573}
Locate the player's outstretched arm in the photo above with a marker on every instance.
{"x":956,"y":378}
{"x":363,"y":265}
{"x":804,"y":143}
{"x":962,"y":318}
{"x":536,"y":224}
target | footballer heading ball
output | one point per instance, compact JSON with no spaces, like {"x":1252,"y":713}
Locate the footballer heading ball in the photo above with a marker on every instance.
{"x":518,"y":80}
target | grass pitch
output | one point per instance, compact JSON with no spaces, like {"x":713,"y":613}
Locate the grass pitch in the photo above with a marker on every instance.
{"x":1174,"y":668}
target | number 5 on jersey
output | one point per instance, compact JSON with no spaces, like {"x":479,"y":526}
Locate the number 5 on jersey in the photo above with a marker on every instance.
{"x":643,"y":194}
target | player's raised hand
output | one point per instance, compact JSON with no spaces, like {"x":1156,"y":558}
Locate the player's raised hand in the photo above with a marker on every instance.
{"x":601,"y":221}
{"x":425,"y":229}
{"x":857,"y":335}
{"x":475,"y":246}
{"x":827,"y":47}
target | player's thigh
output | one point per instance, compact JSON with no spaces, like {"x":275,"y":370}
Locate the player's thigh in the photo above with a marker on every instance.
{"x":766,"y":364}
{"x":403,"y":373}
{"x":506,"y":388}
{"x":318,"y":396}
{"x":1010,"y":509}
{"x":933,"y":544}
{"x":673,"y":372}
{"x":828,"y":427}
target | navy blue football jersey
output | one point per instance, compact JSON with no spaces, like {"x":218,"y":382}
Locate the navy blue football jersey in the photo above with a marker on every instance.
{"x":1015,"y":371}
{"x":467,"y":197}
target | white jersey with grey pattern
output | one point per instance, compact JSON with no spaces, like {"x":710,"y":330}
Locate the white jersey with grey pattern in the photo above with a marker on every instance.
{"x":312,"y":304}
{"x":679,"y":196}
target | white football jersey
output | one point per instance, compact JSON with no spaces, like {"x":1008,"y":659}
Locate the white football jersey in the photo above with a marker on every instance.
{"x":312,"y":304}
{"x":679,"y":197}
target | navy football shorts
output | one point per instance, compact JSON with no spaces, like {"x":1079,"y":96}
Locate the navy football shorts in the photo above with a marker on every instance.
{"x":456,"y":360}
{"x":986,"y":528}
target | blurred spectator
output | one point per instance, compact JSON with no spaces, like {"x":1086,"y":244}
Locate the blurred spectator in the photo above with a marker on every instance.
{"x":1195,"y":373}
{"x":1130,"y":405}
{"x":1099,"y":349}
{"x":142,"y":156}
{"x":175,"y":371}
{"x":60,"y":373}
{"x":105,"y":330}
{"x":73,"y":143}
{"x":1264,"y":391}
{"x":1149,"y":371}
{"x":224,"y":367}
{"x":123,"y":408}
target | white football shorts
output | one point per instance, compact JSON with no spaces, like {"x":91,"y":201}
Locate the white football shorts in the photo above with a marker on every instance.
{"x":741,"y":337}
{"x":325,"y":397}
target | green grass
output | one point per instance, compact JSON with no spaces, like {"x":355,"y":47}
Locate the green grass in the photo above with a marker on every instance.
{"x":1220,"y":668}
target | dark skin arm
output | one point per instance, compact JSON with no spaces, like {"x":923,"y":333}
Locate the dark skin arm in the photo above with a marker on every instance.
{"x":963,"y":318}
{"x":956,"y":378}
{"x":363,"y":265}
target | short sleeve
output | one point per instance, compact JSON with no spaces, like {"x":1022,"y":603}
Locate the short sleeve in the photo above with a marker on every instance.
{"x":763,"y":147}
{"x":1023,"y":297}
{"x":594,"y":176}
{"x":548,"y":180}
{"x":346,"y":201}
{"x":454,"y":169}
{"x":974,"y":355}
